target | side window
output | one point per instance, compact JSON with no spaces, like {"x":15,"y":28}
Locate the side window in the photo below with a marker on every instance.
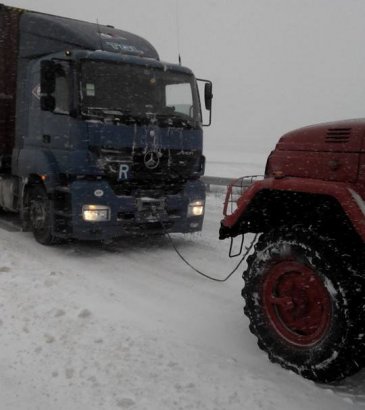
{"x":179,"y":97}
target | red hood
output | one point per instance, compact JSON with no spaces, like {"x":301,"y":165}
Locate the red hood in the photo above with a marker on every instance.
{"x":331,"y":151}
{"x":340,"y":136}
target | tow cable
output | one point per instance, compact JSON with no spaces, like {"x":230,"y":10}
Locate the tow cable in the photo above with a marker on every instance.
{"x":248,"y":249}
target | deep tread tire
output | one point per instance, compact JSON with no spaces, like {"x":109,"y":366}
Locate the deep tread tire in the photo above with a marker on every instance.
{"x":331,"y":347}
{"x":40,"y":217}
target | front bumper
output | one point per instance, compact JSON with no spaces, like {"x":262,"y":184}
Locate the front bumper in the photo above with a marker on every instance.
{"x":132,"y":215}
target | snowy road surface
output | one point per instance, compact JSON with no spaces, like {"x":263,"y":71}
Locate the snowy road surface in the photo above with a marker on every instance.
{"x":129,"y":326}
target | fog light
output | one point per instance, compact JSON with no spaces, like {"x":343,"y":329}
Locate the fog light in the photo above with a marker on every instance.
{"x":196,"y":208}
{"x":96,"y":213}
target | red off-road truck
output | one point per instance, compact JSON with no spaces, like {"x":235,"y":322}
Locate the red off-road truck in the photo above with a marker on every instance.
{"x":305,"y":282}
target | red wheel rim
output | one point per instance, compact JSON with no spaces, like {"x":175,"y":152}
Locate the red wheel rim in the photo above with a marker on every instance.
{"x":296,"y":303}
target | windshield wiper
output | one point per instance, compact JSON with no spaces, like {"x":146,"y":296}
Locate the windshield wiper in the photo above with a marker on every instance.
{"x":115,"y":115}
{"x":127,"y":116}
{"x":176,"y":120}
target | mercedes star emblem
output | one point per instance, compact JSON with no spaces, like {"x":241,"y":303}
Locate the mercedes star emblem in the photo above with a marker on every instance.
{"x":151,"y":159}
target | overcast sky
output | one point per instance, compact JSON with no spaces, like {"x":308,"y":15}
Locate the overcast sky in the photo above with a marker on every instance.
{"x":275,"y":65}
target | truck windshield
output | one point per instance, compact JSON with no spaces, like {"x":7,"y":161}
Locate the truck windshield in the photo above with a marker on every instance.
{"x":139,"y":92}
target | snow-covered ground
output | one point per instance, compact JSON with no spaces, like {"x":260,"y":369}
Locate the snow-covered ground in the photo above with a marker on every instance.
{"x":130,"y":326}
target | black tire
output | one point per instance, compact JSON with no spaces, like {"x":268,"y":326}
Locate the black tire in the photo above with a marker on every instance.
{"x":40,"y":216}
{"x":305,"y":302}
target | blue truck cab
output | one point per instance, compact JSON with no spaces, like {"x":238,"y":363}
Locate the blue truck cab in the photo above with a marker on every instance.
{"x":98,"y":137}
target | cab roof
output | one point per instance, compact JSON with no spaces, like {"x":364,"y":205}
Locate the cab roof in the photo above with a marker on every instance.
{"x":42,"y":34}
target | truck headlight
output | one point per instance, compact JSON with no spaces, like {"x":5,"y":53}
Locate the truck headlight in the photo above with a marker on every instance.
{"x":196,"y":208}
{"x":96,"y":213}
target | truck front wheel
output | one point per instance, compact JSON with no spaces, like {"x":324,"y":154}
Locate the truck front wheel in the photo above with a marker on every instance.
{"x":40,"y":217}
{"x":304,"y":299}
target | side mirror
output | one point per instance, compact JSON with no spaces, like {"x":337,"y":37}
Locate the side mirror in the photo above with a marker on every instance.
{"x":48,"y":85}
{"x":208,"y":95}
{"x":48,"y":77}
{"x":48,"y":103}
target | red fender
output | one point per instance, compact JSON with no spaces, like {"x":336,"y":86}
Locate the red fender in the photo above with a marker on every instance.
{"x":346,"y":194}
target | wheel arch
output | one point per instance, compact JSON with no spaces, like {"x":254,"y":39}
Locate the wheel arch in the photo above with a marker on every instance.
{"x":28,"y":184}
{"x":274,"y":208}
{"x":329,"y":207}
